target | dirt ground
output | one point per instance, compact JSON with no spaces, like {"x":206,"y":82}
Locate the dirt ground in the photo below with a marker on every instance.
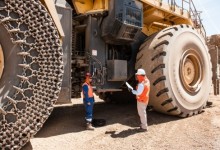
{"x":64,"y":130}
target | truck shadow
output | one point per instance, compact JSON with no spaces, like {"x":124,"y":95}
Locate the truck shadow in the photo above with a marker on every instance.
{"x":71,"y":118}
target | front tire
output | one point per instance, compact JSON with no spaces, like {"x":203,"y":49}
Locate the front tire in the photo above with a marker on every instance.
{"x":33,"y":69}
{"x":178,"y":65}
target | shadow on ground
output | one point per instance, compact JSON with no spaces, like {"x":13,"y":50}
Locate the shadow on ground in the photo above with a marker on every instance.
{"x":71,"y":119}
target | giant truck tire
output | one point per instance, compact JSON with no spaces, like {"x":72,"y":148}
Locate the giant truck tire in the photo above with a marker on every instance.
{"x":32,"y":70}
{"x":177,"y":62}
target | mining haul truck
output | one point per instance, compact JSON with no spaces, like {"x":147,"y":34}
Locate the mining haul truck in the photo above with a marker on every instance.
{"x":47,"y":46}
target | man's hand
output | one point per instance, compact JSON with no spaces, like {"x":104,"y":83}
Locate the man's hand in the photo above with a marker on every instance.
{"x":129,"y":89}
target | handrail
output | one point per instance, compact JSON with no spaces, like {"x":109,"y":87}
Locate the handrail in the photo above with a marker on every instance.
{"x":197,"y":19}
{"x":189,"y":6}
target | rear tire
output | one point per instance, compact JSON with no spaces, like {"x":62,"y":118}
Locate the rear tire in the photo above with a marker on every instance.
{"x":178,"y":65}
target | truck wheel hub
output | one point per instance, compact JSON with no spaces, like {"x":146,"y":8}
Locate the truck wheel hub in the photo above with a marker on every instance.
{"x":191,"y":71}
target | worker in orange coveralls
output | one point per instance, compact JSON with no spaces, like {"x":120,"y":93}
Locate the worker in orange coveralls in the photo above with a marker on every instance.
{"x":88,"y":100}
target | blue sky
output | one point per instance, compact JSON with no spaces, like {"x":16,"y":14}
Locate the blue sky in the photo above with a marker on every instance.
{"x":210,"y":15}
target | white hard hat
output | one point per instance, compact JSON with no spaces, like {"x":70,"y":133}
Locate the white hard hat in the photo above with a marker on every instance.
{"x":140,"y":72}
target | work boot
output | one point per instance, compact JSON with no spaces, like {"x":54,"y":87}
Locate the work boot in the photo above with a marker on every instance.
{"x":89,"y":126}
{"x":142,"y":129}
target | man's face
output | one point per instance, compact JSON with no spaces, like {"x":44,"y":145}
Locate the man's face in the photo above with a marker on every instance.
{"x":88,"y":79}
{"x":140,"y":77}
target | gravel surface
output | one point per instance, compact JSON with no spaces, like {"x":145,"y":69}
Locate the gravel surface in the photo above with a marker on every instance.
{"x":65,"y":129}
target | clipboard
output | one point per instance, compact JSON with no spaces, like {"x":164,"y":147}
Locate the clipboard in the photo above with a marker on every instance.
{"x":129,"y":86}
